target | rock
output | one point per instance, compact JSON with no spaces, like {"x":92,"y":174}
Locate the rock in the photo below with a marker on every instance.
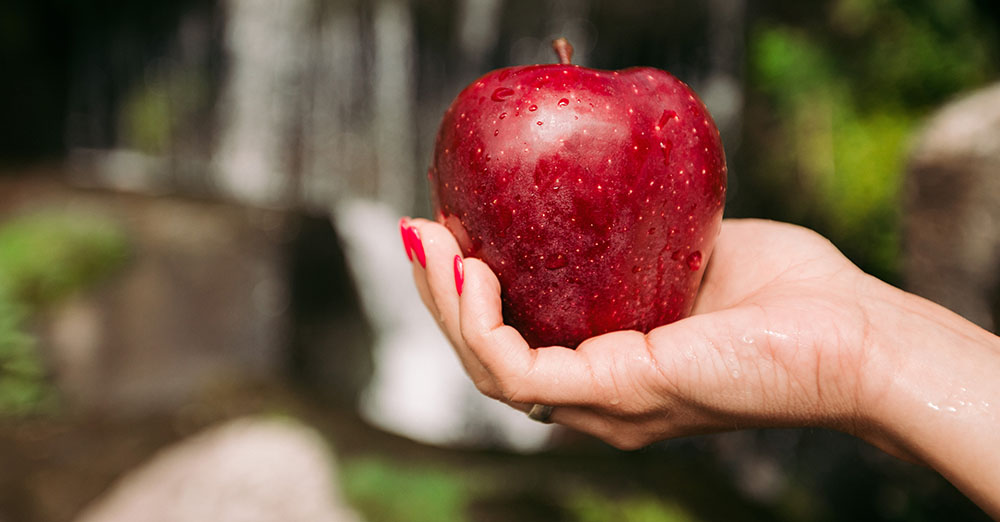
{"x":213,"y":294}
{"x":203,"y":299}
{"x":246,"y":470}
{"x":952,"y":209}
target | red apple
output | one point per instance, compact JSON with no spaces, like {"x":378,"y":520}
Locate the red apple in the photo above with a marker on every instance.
{"x":596,"y":196}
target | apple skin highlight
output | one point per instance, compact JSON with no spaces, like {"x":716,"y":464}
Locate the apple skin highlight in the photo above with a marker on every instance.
{"x":595,"y":196}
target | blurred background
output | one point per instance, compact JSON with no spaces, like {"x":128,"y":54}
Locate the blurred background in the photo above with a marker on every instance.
{"x":205,"y":311}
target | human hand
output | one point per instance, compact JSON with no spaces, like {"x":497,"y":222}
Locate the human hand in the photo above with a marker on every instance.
{"x":785,"y":332}
{"x":776,"y":338}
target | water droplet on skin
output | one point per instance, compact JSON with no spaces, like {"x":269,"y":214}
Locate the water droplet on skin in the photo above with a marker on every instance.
{"x":777,"y":335}
{"x":503,"y":115}
{"x":501,"y":94}
{"x":533,"y":108}
{"x":694,"y":260}
{"x":563,"y":102}
{"x":556,"y":262}
{"x":616,"y":401}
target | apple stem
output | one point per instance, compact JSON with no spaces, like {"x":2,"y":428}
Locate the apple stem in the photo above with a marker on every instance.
{"x":564,"y":50}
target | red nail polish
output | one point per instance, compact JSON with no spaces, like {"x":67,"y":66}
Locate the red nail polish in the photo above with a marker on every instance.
{"x":417,"y":246}
{"x":459,"y":274}
{"x":406,"y":242}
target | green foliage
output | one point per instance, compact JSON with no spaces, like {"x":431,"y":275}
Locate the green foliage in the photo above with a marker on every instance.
{"x":152,"y":109}
{"x":145,"y":119}
{"x":594,"y":507}
{"x":22,"y":375}
{"x":385,"y":491}
{"x":846,"y":96}
{"x":44,"y":257}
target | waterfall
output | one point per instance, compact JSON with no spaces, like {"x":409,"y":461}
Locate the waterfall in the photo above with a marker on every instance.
{"x":266,"y":43}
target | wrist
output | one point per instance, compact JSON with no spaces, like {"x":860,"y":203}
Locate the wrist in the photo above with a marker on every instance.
{"x":929,"y":389}
{"x":918,"y":353}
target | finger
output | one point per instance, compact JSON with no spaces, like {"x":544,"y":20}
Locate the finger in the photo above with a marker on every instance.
{"x":436,"y":284}
{"x":552,"y":375}
{"x":717,"y":362}
{"x":436,"y":280}
{"x":622,"y":434}
{"x":583,"y":419}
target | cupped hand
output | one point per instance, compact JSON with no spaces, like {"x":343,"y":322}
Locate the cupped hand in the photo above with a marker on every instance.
{"x":777,"y":337}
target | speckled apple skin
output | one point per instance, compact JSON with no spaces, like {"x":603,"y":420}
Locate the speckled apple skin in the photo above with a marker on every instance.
{"x":595,"y":196}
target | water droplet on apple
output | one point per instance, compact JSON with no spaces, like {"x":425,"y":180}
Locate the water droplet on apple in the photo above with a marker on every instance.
{"x":503,"y":115}
{"x":636,"y":269}
{"x":538,"y":122}
{"x":666,"y":116}
{"x":501,"y":94}
{"x":694,"y":260}
{"x":505,"y":218}
{"x":676,"y":256}
{"x":533,"y":108}
{"x":563,"y":102}
{"x":556,"y":262}
{"x":496,"y":132}
{"x":666,"y":147}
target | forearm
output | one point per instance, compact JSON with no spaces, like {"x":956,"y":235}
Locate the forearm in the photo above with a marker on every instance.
{"x":934,"y":390}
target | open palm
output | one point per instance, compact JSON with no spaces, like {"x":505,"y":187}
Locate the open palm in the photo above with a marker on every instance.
{"x":776,"y":338}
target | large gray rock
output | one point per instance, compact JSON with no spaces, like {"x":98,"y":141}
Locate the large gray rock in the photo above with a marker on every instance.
{"x":213,"y":295}
{"x":952,"y":208}
{"x":203,"y":299}
{"x":248,"y":470}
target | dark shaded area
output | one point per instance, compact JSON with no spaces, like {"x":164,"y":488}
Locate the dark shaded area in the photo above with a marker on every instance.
{"x":330,"y":352}
{"x":51,"y":49}
{"x":35,"y":50}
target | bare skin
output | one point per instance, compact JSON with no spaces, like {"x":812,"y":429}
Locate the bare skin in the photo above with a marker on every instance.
{"x":785,"y":332}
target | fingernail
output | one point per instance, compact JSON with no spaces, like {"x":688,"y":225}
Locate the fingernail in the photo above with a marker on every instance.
{"x":417,"y":246}
{"x":459,"y":274}
{"x":406,"y":243}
